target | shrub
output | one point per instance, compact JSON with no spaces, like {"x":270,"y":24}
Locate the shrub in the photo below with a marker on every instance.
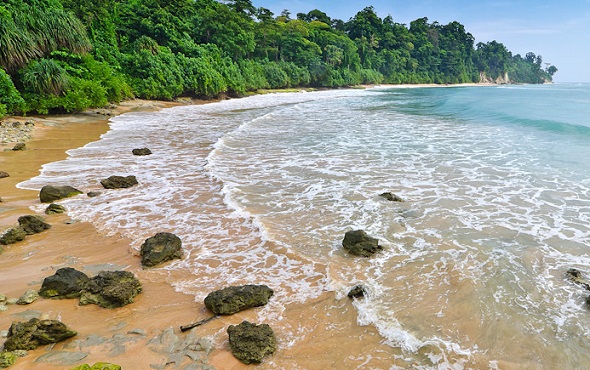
{"x":10,"y":98}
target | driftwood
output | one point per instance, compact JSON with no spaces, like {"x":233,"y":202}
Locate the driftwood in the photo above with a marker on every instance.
{"x":198,"y":323}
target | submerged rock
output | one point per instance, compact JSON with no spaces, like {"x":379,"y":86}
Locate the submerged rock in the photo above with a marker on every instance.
{"x":14,"y":235}
{"x":160,"y":248}
{"x":54,"y":209}
{"x":250,"y":343}
{"x":141,"y":151}
{"x":119,"y":182}
{"x":575,"y":276}
{"x":357,"y":292}
{"x":93,"y":194}
{"x":357,"y":242}
{"x":50,"y":193}
{"x":391,"y":197}
{"x":34,"y":333}
{"x":111,"y":289}
{"x":237,"y":298}
{"x":32,"y":224}
{"x":65,"y":283}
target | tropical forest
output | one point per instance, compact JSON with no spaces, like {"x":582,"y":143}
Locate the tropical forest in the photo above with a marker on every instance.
{"x":69,"y":55}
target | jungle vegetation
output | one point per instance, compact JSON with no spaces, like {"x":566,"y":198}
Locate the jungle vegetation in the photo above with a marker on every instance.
{"x":69,"y":55}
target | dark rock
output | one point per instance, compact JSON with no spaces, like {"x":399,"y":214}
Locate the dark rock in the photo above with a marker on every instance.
{"x":54,"y":209}
{"x":65,"y":283}
{"x":19,"y":146}
{"x":50,"y":193}
{"x":119,"y":182}
{"x":575,"y":276}
{"x":391,"y":197}
{"x":14,"y":235}
{"x":237,"y":298}
{"x":250,"y":343}
{"x":141,"y":151}
{"x":34,"y":333}
{"x":357,"y":292}
{"x":32,"y":224}
{"x":92,"y":194}
{"x":4,"y":174}
{"x":357,"y":242}
{"x":160,"y":248}
{"x":111,"y":289}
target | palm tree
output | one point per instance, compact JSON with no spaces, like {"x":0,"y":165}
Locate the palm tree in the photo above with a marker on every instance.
{"x":45,"y":76}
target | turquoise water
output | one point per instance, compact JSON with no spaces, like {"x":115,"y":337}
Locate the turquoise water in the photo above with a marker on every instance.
{"x":496,"y":183}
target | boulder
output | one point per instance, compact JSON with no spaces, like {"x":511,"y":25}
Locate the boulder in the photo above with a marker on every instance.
{"x":29,"y":297}
{"x":357,"y":242}
{"x":93,"y":194}
{"x":391,"y":197}
{"x":11,"y":236}
{"x":19,"y":146}
{"x":50,"y":193}
{"x":111,"y":289}
{"x":141,"y":151}
{"x":65,"y":283}
{"x":7,"y":359}
{"x":32,"y":224}
{"x":54,"y":209}
{"x":357,"y":292}
{"x":237,"y":298}
{"x":160,"y":248}
{"x":250,"y":343}
{"x":4,"y":174}
{"x":34,"y":333}
{"x":98,"y":366}
{"x":119,"y":182}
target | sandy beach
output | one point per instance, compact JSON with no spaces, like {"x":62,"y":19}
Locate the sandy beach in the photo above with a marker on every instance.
{"x":144,"y":334}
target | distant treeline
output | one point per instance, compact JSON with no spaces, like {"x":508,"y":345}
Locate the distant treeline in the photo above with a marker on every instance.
{"x":68,"y":55}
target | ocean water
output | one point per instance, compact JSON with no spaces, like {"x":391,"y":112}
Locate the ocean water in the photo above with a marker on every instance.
{"x":496,"y":189}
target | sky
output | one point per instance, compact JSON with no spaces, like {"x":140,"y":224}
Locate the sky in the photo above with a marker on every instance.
{"x":558,"y":30}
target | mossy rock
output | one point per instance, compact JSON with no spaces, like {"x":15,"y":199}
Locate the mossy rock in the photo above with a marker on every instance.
{"x":7,"y":359}
{"x":358,"y":243}
{"x":119,"y":182}
{"x":54,"y":209}
{"x":67,"y":282}
{"x":111,"y":289}
{"x":98,"y":366}
{"x":50,"y":193}
{"x":160,"y":248}
{"x":250,"y":343}
{"x":237,"y":298}
{"x":34,"y":333}
{"x":33,"y":224}
{"x":14,"y":235}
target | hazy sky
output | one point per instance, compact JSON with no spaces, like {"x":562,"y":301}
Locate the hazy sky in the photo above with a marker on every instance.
{"x":558,"y":30}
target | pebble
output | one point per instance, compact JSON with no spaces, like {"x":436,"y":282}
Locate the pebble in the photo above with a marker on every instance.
{"x":12,"y":132}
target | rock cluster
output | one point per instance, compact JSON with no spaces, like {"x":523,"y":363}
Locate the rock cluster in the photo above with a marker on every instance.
{"x":28,"y":225}
{"x":13,"y":132}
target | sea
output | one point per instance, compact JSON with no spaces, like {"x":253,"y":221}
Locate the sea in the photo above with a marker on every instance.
{"x":495,"y":183}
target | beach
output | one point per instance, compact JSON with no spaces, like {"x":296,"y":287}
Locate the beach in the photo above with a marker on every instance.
{"x":144,"y":334}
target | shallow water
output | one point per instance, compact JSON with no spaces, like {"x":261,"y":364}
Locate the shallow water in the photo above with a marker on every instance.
{"x":496,"y":183}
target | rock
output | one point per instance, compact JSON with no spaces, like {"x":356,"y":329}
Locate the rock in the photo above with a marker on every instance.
{"x":4,"y":174}
{"x":160,"y":248}
{"x":7,"y":359}
{"x":111,"y":289}
{"x":575,"y":276}
{"x":250,"y":343}
{"x":50,"y":193}
{"x":391,"y":197}
{"x":14,"y":235}
{"x":54,"y":209}
{"x":98,"y":366}
{"x":141,"y":151}
{"x":92,"y":194}
{"x":3,"y":307}
{"x":61,"y":358}
{"x":65,"y":283}
{"x":29,"y":297}
{"x":33,"y":224}
{"x":19,"y":146}
{"x":119,"y":182}
{"x":358,"y":243}
{"x":35,"y":332}
{"x":237,"y":298}
{"x":357,"y":292}
{"x":2,"y":298}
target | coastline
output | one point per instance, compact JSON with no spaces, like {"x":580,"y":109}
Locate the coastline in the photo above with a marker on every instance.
{"x":126,"y":336}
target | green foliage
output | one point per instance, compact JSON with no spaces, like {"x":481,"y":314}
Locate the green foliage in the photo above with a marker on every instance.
{"x":10,"y":99}
{"x":3,"y":110}
{"x":44,"y":76}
